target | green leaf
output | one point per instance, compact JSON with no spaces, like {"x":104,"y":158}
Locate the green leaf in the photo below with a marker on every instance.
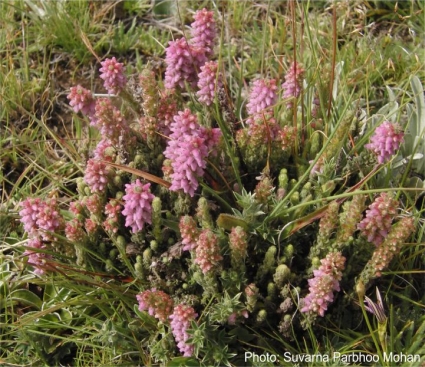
{"x":25,"y":297}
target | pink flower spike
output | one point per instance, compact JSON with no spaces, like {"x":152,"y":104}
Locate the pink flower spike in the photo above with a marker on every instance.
{"x":204,"y":31}
{"x":208,"y":82}
{"x":325,"y":282}
{"x":181,"y":318}
{"x":137,"y":205}
{"x":81,"y":99}
{"x":386,"y":140}
{"x":293,"y":83}
{"x":113,"y":75}
{"x":262,"y":96}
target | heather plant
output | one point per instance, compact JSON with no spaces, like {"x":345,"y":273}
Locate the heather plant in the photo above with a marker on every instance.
{"x":242,"y":193}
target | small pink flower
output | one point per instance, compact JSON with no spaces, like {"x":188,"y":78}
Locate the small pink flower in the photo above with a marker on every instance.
{"x":40,"y":217}
{"x":293,"y":82}
{"x":386,"y":140}
{"x":208,"y":82}
{"x":109,"y":120}
{"x":189,"y":232}
{"x":112,"y":211}
{"x":74,"y":231}
{"x":113,"y":76}
{"x":377,"y":223}
{"x":325,"y":282}
{"x":157,"y":303}
{"x":183,"y":63}
{"x":262,"y":96}
{"x":187,"y":150}
{"x":238,"y":244}
{"x":35,"y":258}
{"x":137,"y":205}
{"x":81,"y":99}
{"x":97,"y":175}
{"x":207,"y":251}
{"x":181,"y":318}
{"x":204,"y":31}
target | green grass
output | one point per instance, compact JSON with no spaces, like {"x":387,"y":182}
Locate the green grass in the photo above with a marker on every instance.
{"x":83,"y":311}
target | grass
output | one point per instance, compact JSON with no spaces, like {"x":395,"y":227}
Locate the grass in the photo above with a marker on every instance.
{"x":363,"y":64}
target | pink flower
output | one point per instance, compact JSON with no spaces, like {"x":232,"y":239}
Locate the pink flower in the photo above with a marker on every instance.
{"x":208,"y":82}
{"x":97,"y":175}
{"x":31,"y":208}
{"x":113,"y":76}
{"x":204,"y":31}
{"x":293,"y":82}
{"x":74,"y":230}
{"x":36,"y":259}
{"x":157,"y":303}
{"x":183,"y":63}
{"x":40,"y":217}
{"x":207,"y":251}
{"x":109,"y":120}
{"x":377,"y":223}
{"x":188,"y":148}
{"x":238,"y":244}
{"x":262,"y":96}
{"x":81,"y":99}
{"x":112,"y":211}
{"x":325,"y":282}
{"x":189,"y":232}
{"x":181,"y":318}
{"x":386,"y":140}
{"x":137,"y":205}
{"x":101,"y":150}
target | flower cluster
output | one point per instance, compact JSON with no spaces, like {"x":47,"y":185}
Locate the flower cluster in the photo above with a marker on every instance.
{"x":157,"y":303}
{"x":81,"y":99}
{"x":97,"y":175}
{"x":389,"y":248}
{"x":386,"y":140}
{"x":292,"y":85}
{"x":181,"y":318}
{"x":377,"y":223}
{"x":183,"y":62}
{"x":113,"y":76}
{"x":189,"y":232}
{"x":325,"y":282}
{"x":204,"y":31}
{"x":137,"y":205}
{"x":188,"y":148}
{"x":207,"y":251}
{"x":263,"y":95}
{"x":40,"y":219}
{"x":109,"y":120}
{"x":184,"y":58}
{"x":238,"y":244}
{"x":208,"y":82}
{"x":112,"y":211}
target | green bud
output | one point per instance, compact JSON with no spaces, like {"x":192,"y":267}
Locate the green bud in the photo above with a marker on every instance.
{"x":121,"y":243}
{"x":203,"y":214}
{"x":271,"y":290}
{"x":117,"y":181}
{"x":119,"y":195}
{"x":81,"y":185}
{"x":138,"y":269}
{"x":281,"y":275}
{"x":261,"y":316}
{"x":295,"y":198}
{"x":157,"y":219}
{"x":315,"y":262}
{"x":315,"y":145}
{"x":113,"y":254}
{"x":171,"y":241}
{"x":147,"y":258}
{"x":305,"y":190}
{"x":109,"y":265}
{"x":154,"y":245}
{"x":289,"y":250}
{"x":283,"y":179}
{"x":287,"y":318}
{"x":87,"y":191}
